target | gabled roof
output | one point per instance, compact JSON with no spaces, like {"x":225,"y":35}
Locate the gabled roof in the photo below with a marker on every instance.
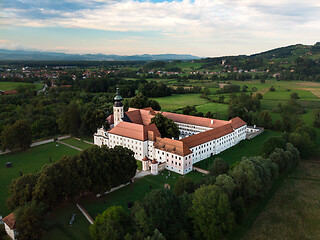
{"x":199,"y":121}
{"x":173,"y":146}
{"x":237,"y":122}
{"x":207,"y":136}
{"x":10,"y":221}
{"x":135,"y":131}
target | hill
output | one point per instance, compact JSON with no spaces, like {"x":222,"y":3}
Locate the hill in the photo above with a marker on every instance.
{"x":55,"y":56}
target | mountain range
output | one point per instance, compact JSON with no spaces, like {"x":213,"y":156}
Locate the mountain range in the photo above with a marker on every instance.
{"x":56,"y":56}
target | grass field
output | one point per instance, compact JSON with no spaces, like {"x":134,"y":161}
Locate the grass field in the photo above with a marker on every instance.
{"x":8,"y":86}
{"x":29,"y":161}
{"x":246,"y":148}
{"x":76,"y":143}
{"x":293,"y":212}
{"x":219,"y":108}
{"x":178,"y":101}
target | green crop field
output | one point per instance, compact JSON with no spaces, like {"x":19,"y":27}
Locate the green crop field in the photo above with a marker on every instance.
{"x":8,"y":86}
{"x":178,"y":101}
{"x":76,"y":143}
{"x":246,"y":148}
{"x":29,"y":161}
{"x":293,"y":211}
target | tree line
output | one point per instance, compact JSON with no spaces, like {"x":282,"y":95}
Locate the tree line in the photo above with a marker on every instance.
{"x":94,"y":170}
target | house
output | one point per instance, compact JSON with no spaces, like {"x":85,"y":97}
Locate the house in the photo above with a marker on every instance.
{"x":10,"y":225}
{"x":199,"y":137}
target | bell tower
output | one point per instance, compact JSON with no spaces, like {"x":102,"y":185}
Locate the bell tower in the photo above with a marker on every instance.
{"x":118,"y":112}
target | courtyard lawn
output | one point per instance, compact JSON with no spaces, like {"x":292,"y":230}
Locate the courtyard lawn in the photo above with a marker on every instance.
{"x":246,"y":148}
{"x":8,"y":86}
{"x":178,"y":101}
{"x":140,"y":188}
{"x":76,"y":143}
{"x":29,"y":161}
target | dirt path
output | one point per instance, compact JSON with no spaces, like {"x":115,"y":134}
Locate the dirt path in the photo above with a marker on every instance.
{"x":262,"y":91}
{"x":68,"y":145}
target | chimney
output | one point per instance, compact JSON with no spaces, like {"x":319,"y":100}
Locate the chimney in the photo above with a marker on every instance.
{"x":211,"y":121}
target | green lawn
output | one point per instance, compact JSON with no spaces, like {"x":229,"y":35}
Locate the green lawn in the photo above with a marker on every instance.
{"x":60,"y":228}
{"x":8,"y":86}
{"x":177,"y":101}
{"x":29,"y":161}
{"x":246,"y":148}
{"x":219,"y":108}
{"x":76,"y":143}
{"x":140,"y":188}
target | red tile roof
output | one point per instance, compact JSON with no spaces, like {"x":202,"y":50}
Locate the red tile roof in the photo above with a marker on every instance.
{"x":207,"y":136}
{"x":10,"y":92}
{"x":135,"y":131}
{"x":199,"y":121}
{"x":237,"y":122}
{"x":10,"y":221}
{"x":173,"y":146}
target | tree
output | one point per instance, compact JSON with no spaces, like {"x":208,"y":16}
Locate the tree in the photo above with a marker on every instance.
{"x":159,"y":209}
{"x":272,"y":89}
{"x":265,"y":119}
{"x":69,"y":120}
{"x":246,"y":178}
{"x":111,"y":224}
{"x":93,"y":119}
{"x":208,"y":114}
{"x":21,"y":190}
{"x":140,"y":101}
{"x":157,"y":235}
{"x":29,"y":219}
{"x":272,"y":143}
{"x":294,"y":95}
{"x":218,"y":167}
{"x":16,"y":136}
{"x":184,"y":184}
{"x":226,"y":183}
{"x":212,"y":213}
{"x":316,"y":121}
{"x":166,"y":127}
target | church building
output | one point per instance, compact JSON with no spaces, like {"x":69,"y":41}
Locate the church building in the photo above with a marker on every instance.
{"x":199,"y":138}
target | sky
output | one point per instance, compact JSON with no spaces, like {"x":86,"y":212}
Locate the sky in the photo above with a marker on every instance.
{"x":204,"y":28}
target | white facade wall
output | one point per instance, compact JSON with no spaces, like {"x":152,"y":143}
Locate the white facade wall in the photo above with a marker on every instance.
{"x":118,"y":114}
{"x":175,"y":163}
{"x":11,"y":232}
{"x":189,"y":129}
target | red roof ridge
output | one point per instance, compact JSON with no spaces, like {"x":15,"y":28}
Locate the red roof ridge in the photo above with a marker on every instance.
{"x":10,"y":221}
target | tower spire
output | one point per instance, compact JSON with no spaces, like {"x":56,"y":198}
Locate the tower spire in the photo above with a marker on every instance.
{"x":118,"y":112}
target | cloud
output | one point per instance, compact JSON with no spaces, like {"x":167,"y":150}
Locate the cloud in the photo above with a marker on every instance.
{"x":216,"y":22}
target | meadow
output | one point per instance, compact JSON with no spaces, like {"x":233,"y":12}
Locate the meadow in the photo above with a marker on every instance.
{"x":293,"y":212}
{"x":29,"y":161}
{"x":308,"y":92}
{"x":8,"y":86}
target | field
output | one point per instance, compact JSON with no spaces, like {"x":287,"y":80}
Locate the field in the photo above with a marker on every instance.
{"x":293,"y":212}
{"x":179,"y":101}
{"x":8,"y":86}
{"x":246,"y":148}
{"x":308,"y":92}
{"x":27,"y":162}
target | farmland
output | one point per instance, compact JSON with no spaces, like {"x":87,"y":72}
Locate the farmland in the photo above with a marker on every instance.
{"x":8,"y":86}
{"x":293,"y":212}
